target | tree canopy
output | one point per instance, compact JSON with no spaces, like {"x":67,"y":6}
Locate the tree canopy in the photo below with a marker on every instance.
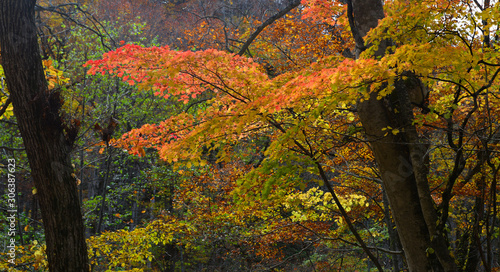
{"x":280,"y":134}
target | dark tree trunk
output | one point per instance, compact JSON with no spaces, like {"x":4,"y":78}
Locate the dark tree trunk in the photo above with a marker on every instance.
{"x":45,"y":137}
{"x":400,"y":157}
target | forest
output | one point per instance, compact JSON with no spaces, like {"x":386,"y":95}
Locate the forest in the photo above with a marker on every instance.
{"x":249,"y":135}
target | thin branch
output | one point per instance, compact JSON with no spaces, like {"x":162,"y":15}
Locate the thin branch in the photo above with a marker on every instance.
{"x":67,"y":16}
{"x":8,"y":122}
{"x":196,"y":103}
{"x":348,"y":221}
{"x":11,"y":148}
{"x":291,"y":256}
{"x":269,"y":21}
{"x":5,"y":106}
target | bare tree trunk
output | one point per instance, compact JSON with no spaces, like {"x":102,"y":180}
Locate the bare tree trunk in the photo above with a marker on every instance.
{"x":47,"y":141}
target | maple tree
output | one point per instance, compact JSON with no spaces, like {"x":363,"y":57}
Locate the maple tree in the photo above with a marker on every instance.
{"x":282,"y":42}
{"x":336,"y":131}
{"x":402,"y":54}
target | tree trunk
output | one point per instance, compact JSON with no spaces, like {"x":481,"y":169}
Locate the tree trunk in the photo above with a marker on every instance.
{"x":47,"y":140}
{"x":392,"y":156}
{"x":400,"y":157}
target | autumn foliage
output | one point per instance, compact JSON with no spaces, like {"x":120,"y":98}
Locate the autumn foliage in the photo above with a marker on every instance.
{"x":309,"y":113}
{"x":270,"y":164}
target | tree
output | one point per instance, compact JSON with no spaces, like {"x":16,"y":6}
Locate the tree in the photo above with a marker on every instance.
{"x":418,"y":93}
{"x":407,"y":190}
{"x":48,"y":141}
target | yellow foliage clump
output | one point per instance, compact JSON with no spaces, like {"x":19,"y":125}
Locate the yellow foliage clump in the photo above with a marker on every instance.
{"x":317,"y":205}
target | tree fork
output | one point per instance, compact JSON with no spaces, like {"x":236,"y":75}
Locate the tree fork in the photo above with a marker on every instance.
{"x":402,"y":174}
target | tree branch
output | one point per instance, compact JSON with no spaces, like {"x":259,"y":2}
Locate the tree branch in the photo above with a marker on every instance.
{"x":360,"y":43}
{"x":270,"y":20}
{"x":5,"y":106}
{"x":11,"y":148}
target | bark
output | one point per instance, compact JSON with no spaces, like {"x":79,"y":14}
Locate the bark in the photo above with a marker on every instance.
{"x":392,"y":159}
{"x":47,"y":141}
{"x":400,"y":157}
